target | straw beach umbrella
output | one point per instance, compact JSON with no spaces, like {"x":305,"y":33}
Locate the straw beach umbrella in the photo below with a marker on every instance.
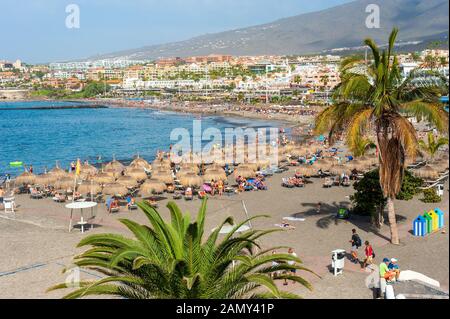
{"x":340,"y":169}
{"x":112,"y":172}
{"x":307,"y":170}
{"x":64,"y":183}
{"x":163,"y":176}
{"x":152,"y":186}
{"x":58,"y":172}
{"x":115,"y":189}
{"x":26,"y":178}
{"x":103,"y":178}
{"x":140,"y":162}
{"x":427,"y":172}
{"x":439,"y":165}
{"x":359,"y":165}
{"x":214,"y":174}
{"x":191,"y":179}
{"x":190,"y":167}
{"x":137,"y":173}
{"x":127,"y":181}
{"x":88,"y":169}
{"x":115,"y":166}
{"x":45,"y":179}
{"x":244,"y":172}
{"x":325,"y":164}
{"x":89,"y":187}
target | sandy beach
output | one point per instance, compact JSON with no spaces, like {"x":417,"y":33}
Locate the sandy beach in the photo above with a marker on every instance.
{"x":37,"y":246}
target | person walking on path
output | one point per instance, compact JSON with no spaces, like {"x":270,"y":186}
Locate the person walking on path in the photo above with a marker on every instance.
{"x":368,"y":250}
{"x":356,"y":243}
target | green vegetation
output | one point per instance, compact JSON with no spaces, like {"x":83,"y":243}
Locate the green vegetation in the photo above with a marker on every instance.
{"x":175,"y":261}
{"x":410,"y":186}
{"x":430,"y":196}
{"x":92,"y":89}
{"x":369,"y":101}
{"x":432,"y":146}
{"x":368,"y":199}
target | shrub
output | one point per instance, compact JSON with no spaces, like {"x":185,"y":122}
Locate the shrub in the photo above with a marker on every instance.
{"x":410,"y":186}
{"x":369,"y":196}
{"x":430,"y":196}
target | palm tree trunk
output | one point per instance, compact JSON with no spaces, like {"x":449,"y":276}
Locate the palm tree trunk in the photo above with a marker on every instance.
{"x":392,"y":221}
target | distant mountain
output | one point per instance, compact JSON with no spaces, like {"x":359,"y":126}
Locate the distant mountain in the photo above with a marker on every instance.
{"x":338,"y":27}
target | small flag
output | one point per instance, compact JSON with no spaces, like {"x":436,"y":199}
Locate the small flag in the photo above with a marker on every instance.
{"x":78,"y":168}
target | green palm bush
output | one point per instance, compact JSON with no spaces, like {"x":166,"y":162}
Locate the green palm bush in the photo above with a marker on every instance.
{"x":432,"y":146}
{"x":174,"y":260}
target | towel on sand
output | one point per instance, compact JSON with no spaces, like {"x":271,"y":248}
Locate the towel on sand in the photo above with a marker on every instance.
{"x":294,"y":219}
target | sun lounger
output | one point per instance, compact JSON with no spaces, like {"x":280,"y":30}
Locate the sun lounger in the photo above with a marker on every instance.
{"x":59,"y":199}
{"x":177,"y":196}
{"x":36,"y":195}
{"x":328,"y":183}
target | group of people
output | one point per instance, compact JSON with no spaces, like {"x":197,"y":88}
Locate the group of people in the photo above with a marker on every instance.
{"x":217,"y":187}
{"x":245,"y":184}
{"x":389,"y":270}
{"x":275,"y":264}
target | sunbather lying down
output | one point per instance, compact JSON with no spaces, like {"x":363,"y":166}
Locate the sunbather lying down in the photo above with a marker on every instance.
{"x":285,"y":225}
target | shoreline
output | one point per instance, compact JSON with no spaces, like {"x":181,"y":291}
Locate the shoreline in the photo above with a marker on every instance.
{"x":202,"y":108}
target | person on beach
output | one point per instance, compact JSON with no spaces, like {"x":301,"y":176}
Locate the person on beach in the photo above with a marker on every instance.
{"x":31,"y":169}
{"x":7,"y":181}
{"x":220,"y":187}
{"x":394,"y":268}
{"x":356,"y":243}
{"x":368,"y":250}
{"x":274,"y":265}
{"x":72,"y":167}
{"x":291,"y":263}
{"x":319,"y":207}
{"x":213,"y":187}
{"x":2,"y":194}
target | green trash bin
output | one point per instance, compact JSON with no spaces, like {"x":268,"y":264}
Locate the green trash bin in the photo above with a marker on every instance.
{"x":429,"y":221}
{"x":342,"y":213}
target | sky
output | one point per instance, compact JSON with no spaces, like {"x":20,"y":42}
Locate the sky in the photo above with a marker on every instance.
{"x":35,"y":31}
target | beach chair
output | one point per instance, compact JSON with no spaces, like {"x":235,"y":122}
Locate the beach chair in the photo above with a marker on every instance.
{"x":59,"y":199}
{"x":328,"y":183}
{"x":35,"y":194}
{"x":131,"y":206}
{"x":287,"y":183}
{"x":177,"y":196}
{"x":115,"y":209}
{"x":346,"y":182}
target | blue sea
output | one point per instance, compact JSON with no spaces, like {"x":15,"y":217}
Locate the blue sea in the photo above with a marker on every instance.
{"x":42,"y":137}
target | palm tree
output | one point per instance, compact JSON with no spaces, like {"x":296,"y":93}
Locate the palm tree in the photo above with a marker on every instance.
{"x":174,"y":261}
{"x":374,"y":98}
{"x":361,"y":145}
{"x":433,"y":145}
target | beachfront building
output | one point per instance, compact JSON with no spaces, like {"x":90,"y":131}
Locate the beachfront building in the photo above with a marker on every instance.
{"x":8,"y":77}
{"x":6,"y":66}
{"x":86,"y":65}
{"x":64,"y":75}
